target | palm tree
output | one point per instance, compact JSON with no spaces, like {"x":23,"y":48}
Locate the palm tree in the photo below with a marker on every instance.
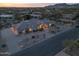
{"x":72,"y":44}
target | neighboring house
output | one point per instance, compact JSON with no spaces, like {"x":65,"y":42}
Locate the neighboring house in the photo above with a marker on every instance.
{"x":77,"y":22}
{"x":67,"y":22}
{"x":69,"y":16}
{"x":36,"y":15}
{"x":7,"y":18}
{"x":23,"y":12}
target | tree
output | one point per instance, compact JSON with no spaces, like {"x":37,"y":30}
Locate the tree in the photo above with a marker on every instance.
{"x":18,"y":17}
{"x":1,"y":25}
{"x":71,"y":44}
{"x":27,"y":17}
{"x":76,"y":17}
{"x":76,"y":43}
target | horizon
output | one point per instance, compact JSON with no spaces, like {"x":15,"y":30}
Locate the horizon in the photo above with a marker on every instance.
{"x":28,"y":4}
{"x":25,"y":4}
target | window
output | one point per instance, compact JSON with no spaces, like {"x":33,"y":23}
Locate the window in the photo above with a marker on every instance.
{"x":33,"y":37}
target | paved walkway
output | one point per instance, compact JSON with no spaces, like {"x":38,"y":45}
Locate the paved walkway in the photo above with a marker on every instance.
{"x":62,"y":53}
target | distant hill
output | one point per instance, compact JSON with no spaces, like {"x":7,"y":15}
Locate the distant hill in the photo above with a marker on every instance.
{"x":63,"y":5}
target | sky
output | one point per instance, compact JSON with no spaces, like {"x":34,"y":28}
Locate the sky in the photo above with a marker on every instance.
{"x":24,"y":4}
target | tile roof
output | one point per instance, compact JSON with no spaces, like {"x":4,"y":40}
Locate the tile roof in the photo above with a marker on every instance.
{"x":33,"y":23}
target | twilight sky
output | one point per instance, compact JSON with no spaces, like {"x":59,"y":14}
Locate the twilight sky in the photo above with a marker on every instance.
{"x":24,"y":4}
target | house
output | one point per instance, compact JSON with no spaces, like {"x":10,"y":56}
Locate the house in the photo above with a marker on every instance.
{"x":32,"y":25}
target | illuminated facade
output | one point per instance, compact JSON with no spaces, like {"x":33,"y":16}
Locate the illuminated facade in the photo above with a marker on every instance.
{"x":32,"y":25}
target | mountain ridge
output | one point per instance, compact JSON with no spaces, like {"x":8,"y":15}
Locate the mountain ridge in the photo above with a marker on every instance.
{"x":63,"y":5}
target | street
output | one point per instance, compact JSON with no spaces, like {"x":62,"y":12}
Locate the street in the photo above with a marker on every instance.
{"x":51,"y":46}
